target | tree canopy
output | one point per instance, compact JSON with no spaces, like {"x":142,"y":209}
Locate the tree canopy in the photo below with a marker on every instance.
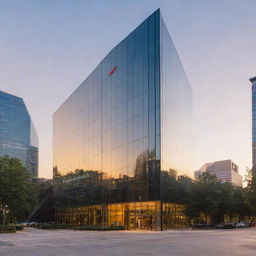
{"x":209,"y":197}
{"x":18,"y":194}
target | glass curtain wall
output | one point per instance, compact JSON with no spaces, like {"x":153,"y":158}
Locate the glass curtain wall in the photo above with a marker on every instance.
{"x":18,"y":137}
{"x":116,"y":139}
{"x":176,"y":116}
{"x":109,"y":127}
{"x":150,"y":215}
{"x":253,"y":81}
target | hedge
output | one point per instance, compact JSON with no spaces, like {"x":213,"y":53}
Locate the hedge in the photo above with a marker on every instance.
{"x":7,"y":229}
{"x":75,"y":227}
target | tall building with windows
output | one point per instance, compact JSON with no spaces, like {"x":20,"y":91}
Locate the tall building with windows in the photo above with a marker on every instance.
{"x":18,"y":137}
{"x":124,"y":134}
{"x":225,"y":171}
{"x":253,"y":81}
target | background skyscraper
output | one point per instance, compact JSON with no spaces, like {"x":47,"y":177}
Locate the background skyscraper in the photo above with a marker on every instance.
{"x":225,"y":171}
{"x":253,"y":81}
{"x":18,"y":137}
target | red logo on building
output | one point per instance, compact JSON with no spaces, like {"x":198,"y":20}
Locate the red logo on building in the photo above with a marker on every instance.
{"x":112,"y":71}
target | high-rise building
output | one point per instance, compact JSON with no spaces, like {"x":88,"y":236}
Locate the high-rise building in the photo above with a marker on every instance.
{"x":18,"y":137}
{"x":225,"y":171}
{"x":253,"y":81}
{"x":124,"y":134}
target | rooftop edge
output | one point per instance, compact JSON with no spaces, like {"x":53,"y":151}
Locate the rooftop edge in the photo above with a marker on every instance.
{"x":253,"y":79}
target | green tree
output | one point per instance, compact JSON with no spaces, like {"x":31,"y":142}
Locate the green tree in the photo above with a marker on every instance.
{"x":237,"y":204}
{"x":232,"y":203}
{"x":18,"y":194}
{"x":251,"y":189}
{"x":204,"y":197}
{"x":209,"y":197}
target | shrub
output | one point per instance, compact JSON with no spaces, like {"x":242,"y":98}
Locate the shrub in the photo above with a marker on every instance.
{"x":56,"y":226}
{"x":92,"y":228}
{"x":7,"y":229}
{"x":75,"y":227}
{"x":18,"y":227}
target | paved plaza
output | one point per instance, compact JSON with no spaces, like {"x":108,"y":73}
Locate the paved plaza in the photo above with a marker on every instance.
{"x":35,"y":242}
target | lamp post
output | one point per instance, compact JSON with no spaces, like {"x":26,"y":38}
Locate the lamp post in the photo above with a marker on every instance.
{"x":3,"y":207}
{"x":3,"y":210}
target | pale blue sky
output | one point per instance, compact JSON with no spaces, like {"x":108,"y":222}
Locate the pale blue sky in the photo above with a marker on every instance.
{"x":47,"y":48}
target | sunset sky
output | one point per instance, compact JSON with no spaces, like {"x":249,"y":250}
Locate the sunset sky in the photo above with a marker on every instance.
{"x":48,"y":47}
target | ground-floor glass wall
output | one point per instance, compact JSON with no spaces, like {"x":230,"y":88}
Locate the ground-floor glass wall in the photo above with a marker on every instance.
{"x":151,"y":215}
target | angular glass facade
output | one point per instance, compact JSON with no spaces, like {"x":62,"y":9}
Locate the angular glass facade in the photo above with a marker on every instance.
{"x":124,"y":134}
{"x":18,"y":137}
{"x":175,"y":115}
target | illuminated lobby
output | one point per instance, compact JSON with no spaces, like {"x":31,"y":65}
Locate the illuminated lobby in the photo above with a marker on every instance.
{"x":123,"y":137}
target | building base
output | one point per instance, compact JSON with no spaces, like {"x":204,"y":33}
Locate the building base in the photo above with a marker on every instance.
{"x":149,"y":215}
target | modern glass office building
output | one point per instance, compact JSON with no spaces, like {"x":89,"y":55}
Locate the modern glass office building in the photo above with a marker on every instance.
{"x":124,"y":135}
{"x":253,"y":81}
{"x":18,"y":137}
